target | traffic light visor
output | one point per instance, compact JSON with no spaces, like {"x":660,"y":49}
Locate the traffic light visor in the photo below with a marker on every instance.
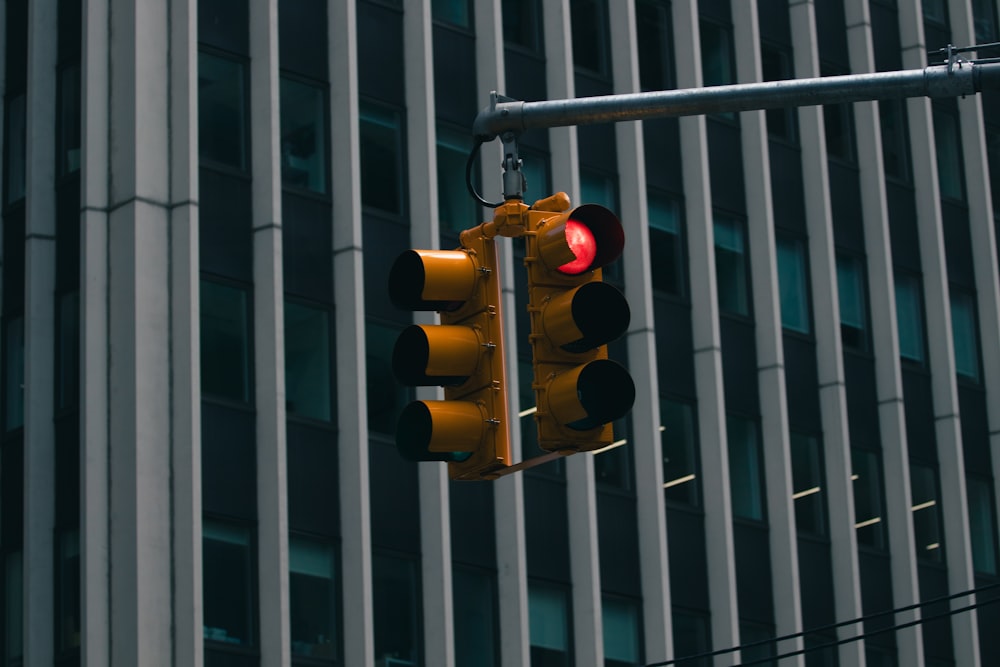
{"x":591,"y":395}
{"x":436,"y":355}
{"x":586,"y":238}
{"x":440,"y":430}
{"x":432,"y":280}
{"x":589,"y":316}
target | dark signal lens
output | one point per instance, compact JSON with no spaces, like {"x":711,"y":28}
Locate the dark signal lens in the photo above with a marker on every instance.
{"x":582,"y":243}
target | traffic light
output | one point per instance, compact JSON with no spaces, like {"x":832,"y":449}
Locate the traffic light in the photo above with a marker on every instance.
{"x":574,"y":315}
{"x":464,"y":354}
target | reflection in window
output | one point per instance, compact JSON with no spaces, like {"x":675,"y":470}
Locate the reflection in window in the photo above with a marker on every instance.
{"x":68,"y":121}
{"x":454,"y":12}
{"x":303,"y":136}
{"x":731,"y":266}
{"x":589,"y":20}
{"x":853,"y":309}
{"x":666,"y":249}
{"x":621,"y":620}
{"x":307,"y":362}
{"x":456,"y":209}
{"x":807,"y":484}
{"x":549,"y":621}
{"x":947,"y":142}
{"x":14,"y":607}
{"x":691,"y":636}
{"x":535,"y":169}
{"x":869,"y":519}
{"x":386,"y":397}
{"x":68,"y":590}
{"x":381,"y":139}
{"x":522,"y":23}
{"x":222,"y":104}
{"x":680,"y":452}
{"x":716,"y":54}
{"x":776,"y":65}
{"x":745,"y":468}
{"x":935,"y":10}
{"x":312,"y":598}
{"x":895,"y":146}
{"x":227,"y":583}
{"x":792,"y":286}
{"x":653,"y":35}
{"x":225,"y":342}
{"x":910,"y":317}
{"x":15,"y":148}
{"x":926,"y":512}
{"x":396,"y":606}
{"x":984,"y":21}
{"x":982,"y":525}
{"x":68,"y":342}
{"x":13,"y":370}
{"x":965,"y":336}
{"x":475,"y":598}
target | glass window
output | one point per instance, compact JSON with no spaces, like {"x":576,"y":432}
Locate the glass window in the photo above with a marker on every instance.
{"x":228,"y":583}
{"x":454,"y":12}
{"x":16,"y":145}
{"x":716,"y":54}
{"x":984,"y":21}
{"x":14,"y":374}
{"x":535,"y":170}
{"x":396,"y":602}
{"x":948,"y":145}
{"x":613,"y":464}
{"x":792,"y":288}
{"x":653,"y":33}
{"x":621,"y":622}
{"x":754,"y":633}
{"x":926,"y":512}
{"x":549,"y":621}
{"x":910,"y":317}
{"x":303,"y":136}
{"x":853,"y":305}
{"x":381,"y":138}
{"x":308,"y":367}
{"x":456,"y":209}
{"x":936,"y":11}
{"x":68,"y":341}
{"x":589,"y":19}
{"x":776,"y":65}
{"x":225,"y":342}
{"x":312,"y":598}
{"x":691,"y":636}
{"x":895,"y":145}
{"x":14,"y":607}
{"x":807,"y":484}
{"x":731,"y":266}
{"x":869,"y":521}
{"x":222,"y":104}
{"x":475,"y":598}
{"x":386,"y":397}
{"x":745,"y":468}
{"x":982,"y":525}
{"x":68,"y":592}
{"x":522,"y":23}
{"x":666,"y":247}
{"x":965,"y":335}
{"x":680,"y":452}
{"x":69,"y":119}
{"x":838,"y":126}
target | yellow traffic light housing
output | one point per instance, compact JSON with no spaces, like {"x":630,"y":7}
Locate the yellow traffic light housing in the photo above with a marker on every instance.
{"x":574,"y":315}
{"x":464,"y":354}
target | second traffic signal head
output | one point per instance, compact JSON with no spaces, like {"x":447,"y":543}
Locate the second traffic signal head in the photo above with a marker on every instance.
{"x":574,"y":315}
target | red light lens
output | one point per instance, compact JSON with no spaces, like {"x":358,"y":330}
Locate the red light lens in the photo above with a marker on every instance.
{"x":582,"y":243}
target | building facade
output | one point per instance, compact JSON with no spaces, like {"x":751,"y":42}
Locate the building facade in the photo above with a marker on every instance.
{"x":200,"y":203}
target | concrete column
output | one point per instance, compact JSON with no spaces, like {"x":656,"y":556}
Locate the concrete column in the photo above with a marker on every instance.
{"x":39,"y":336}
{"x":645,"y":439}
{"x":348,"y":279}
{"x":719,"y":543}
{"x":782,"y":534}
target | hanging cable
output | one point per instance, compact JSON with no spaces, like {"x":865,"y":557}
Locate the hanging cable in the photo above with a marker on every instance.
{"x":468,"y":178}
{"x":841,"y":624}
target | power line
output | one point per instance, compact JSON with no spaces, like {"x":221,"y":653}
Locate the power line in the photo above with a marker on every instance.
{"x":841,"y":624}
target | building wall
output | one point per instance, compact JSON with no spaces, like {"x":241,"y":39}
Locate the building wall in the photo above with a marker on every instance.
{"x":200,"y":203}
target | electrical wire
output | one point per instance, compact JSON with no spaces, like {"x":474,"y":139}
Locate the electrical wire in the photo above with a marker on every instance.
{"x":834,"y":626}
{"x":468,"y":178}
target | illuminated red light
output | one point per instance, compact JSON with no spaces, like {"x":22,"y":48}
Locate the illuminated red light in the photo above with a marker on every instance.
{"x":583,"y":245}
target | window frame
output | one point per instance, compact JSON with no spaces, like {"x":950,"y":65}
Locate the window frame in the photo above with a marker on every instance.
{"x":331,"y":378}
{"x":402,"y":213}
{"x":800,"y":251}
{"x":739,"y":225}
{"x":323,"y":88}
{"x":244,"y":168}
